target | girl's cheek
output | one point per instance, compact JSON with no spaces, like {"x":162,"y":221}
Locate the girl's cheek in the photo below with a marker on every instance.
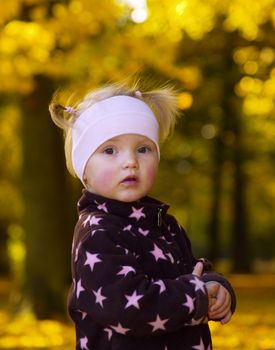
{"x":152,"y":174}
{"x":104,"y":178}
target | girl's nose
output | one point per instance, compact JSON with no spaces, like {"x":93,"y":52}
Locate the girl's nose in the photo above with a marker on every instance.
{"x":130,"y":161}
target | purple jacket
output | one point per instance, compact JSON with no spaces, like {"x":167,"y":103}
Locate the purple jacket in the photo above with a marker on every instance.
{"x":133,"y":286}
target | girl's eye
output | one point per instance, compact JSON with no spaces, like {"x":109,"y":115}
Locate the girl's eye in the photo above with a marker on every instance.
{"x":144,"y":149}
{"x":109,"y":150}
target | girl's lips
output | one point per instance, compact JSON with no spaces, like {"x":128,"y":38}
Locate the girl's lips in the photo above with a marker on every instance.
{"x":130,"y":180}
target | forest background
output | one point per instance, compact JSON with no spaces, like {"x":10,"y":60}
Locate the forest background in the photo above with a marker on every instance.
{"x":217,"y":170}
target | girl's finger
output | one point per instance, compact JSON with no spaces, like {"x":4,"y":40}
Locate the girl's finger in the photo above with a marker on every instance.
{"x":198,"y":269}
{"x":223,"y":298}
{"x":222,"y":310}
{"x":227,"y":318}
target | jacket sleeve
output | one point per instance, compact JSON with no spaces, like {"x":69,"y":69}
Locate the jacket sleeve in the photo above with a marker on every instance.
{"x":213,"y":276}
{"x":208,"y":274}
{"x":112,"y":289}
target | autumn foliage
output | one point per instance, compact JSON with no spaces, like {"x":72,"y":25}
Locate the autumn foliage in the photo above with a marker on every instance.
{"x":217,"y":171}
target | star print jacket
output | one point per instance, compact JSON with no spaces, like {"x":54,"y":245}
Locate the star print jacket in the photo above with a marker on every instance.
{"x":133,"y":286}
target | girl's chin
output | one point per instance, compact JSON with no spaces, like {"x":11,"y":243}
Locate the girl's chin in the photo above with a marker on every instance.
{"x":129,"y":196}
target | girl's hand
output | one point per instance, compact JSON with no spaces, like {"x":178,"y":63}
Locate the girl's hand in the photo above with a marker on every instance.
{"x":198,"y":269}
{"x":219,"y":299}
{"x":219,"y":302}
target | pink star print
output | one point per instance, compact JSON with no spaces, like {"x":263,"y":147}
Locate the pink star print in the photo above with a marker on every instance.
{"x":133,"y":300}
{"x":143,"y":232}
{"x":120,"y":329}
{"x":200,"y":346}
{"x":102,"y":207}
{"x":171,"y":258}
{"x":94,"y":220}
{"x":161,"y":285}
{"x":99,"y":297}
{"x":127,"y":228}
{"x":95,"y":231}
{"x":137,"y":213}
{"x":84,"y":314}
{"x":125,"y":270}
{"x":194,"y":322}
{"x":91,"y":220}
{"x":91,"y":260}
{"x":189,"y":303}
{"x":83,"y":343}
{"x":158,"y":324}
{"x":110,"y":332}
{"x":76,"y":252}
{"x":158,"y":253}
{"x":79,"y":288}
{"x":86,"y":221}
{"x":199,"y":285}
{"x":125,"y":250}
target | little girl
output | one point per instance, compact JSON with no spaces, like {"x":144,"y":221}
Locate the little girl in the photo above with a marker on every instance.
{"x":136,"y":284}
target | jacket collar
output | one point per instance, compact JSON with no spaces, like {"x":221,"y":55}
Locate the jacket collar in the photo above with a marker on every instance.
{"x":146,"y":212}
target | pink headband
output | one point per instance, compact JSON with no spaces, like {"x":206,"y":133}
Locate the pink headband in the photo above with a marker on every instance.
{"x":114,"y":116}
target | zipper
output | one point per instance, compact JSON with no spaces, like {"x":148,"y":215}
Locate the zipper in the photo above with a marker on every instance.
{"x":159,"y":217}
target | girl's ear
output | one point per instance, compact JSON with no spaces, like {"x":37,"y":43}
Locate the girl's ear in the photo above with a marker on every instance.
{"x":85,"y":183}
{"x":84,"y":179}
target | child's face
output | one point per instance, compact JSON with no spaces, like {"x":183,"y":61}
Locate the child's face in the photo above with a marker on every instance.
{"x":123,"y":168}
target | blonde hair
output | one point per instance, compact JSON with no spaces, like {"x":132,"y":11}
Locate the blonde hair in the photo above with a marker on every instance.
{"x":162,"y":101}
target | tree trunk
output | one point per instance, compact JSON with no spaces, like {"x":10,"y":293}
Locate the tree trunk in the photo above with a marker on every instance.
{"x":241,"y":256}
{"x":47,"y":217}
{"x":4,"y":259}
{"x":213,"y":228}
{"x":224,"y":70}
{"x":236,"y":154}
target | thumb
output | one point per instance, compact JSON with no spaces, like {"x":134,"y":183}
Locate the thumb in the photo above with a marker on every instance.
{"x":198,"y":269}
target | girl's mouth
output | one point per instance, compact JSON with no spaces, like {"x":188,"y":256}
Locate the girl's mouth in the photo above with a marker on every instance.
{"x":130,"y":180}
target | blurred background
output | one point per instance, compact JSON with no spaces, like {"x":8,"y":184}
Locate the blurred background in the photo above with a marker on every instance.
{"x":217,"y":171}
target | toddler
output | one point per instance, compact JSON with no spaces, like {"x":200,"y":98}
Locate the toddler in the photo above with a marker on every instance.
{"x":136,"y":284}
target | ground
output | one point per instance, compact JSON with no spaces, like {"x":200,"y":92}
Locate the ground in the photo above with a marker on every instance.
{"x":251,"y":328}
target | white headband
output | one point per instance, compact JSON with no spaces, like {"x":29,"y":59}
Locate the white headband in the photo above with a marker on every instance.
{"x":114,"y":116}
